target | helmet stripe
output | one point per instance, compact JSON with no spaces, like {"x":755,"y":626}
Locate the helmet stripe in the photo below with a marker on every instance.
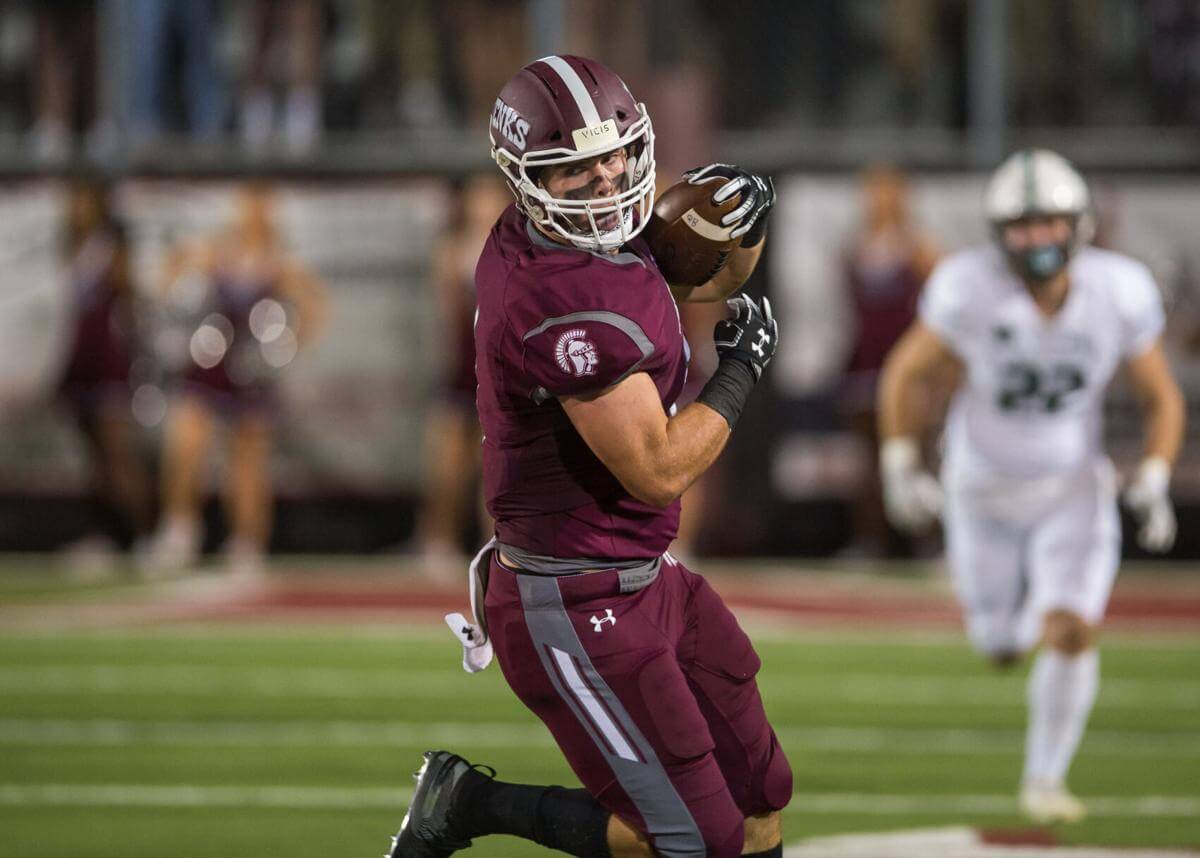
{"x":583,"y":99}
{"x":1030,"y":181}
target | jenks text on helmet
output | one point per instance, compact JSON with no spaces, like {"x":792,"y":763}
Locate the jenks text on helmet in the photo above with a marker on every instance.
{"x":509,"y":123}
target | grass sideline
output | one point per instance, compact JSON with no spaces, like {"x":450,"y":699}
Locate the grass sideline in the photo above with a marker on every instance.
{"x":246,"y":739}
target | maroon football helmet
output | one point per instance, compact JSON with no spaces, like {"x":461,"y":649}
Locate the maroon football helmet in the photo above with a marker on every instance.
{"x":566,"y":108}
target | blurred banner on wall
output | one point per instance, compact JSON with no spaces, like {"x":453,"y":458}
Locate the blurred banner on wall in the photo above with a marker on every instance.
{"x":352,"y":406}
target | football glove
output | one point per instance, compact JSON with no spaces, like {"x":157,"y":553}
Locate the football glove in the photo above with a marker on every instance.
{"x":1148,"y":500}
{"x":751,"y":335}
{"x":912,"y":497}
{"x":758,"y":198}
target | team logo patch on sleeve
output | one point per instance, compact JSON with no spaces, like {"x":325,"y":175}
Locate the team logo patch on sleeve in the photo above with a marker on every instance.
{"x":576,"y":355}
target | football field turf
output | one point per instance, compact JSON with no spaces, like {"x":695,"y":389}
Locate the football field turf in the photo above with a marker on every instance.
{"x":297,"y":738}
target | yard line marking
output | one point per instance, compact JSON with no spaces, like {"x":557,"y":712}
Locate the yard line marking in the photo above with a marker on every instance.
{"x":272,"y":733}
{"x":434,"y":633}
{"x":179,"y":795}
{"x":982,"y":742}
{"x":369,"y":734}
{"x":904,"y":804}
{"x":957,"y":841}
{"x":918,"y":690}
{"x":875,"y":804}
{"x":397,"y":683}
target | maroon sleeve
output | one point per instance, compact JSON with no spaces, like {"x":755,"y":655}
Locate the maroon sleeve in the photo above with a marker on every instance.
{"x":581,"y":352}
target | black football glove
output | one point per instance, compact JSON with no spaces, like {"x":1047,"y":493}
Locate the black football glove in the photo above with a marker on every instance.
{"x":758,"y":198}
{"x":751,"y":335}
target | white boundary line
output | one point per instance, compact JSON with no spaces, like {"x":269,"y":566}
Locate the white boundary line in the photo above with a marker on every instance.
{"x":203,"y":680}
{"x":415,"y":734}
{"x":951,"y":842}
{"x":420,"y":631}
{"x":871,"y":804}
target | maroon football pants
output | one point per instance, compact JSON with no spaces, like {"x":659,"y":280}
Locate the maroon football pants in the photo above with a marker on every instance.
{"x":650,"y":695}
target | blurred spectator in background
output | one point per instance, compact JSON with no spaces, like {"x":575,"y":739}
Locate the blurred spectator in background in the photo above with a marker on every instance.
{"x":1173,"y":44}
{"x":408,"y":50}
{"x":926,"y":61}
{"x":450,"y":490}
{"x":1054,"y":59}
{"x":286,"y":41}
{"x":96,"y":381}
{"x":783,"y":63}
{"x":261,"y":305}
{"x":885,"y":266}
{"x":64,"y":75}
{"x":162,"y":30}
{"x":490,"y":38}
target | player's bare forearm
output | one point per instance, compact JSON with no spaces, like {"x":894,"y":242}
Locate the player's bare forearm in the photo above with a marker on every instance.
{"x":741,"y":264}
{"x":662,"y":470}
{"x":897,"y":388}
{"x":655,"y":457}
{"x":1162,"y":401}
{"x":909,"y":366}
{"x":1164,"y":429}
{"x":695,"y":438}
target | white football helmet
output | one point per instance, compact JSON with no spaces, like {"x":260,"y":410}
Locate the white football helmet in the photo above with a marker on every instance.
{"x":1035,"y":182}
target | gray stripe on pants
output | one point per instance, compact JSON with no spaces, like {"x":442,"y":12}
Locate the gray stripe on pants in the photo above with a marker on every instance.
{"x":667,"y":818}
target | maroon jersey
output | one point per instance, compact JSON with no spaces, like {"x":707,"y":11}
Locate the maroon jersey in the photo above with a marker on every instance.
{"x":554,"y":320}
{"x":459,"y":385}
{"x":102,"y":348}
{"x":884,"y":296}
{"x":239,"y":372}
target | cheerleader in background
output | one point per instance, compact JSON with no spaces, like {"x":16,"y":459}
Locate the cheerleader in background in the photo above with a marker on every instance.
{"x":259,"y":307}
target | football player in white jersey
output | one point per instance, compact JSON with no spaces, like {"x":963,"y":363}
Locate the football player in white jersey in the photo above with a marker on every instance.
{"x":1037,"y":322}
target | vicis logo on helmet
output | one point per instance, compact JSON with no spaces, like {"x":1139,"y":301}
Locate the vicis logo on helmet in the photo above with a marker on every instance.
{"x":509,"y":123}
{"x":597,"y":135}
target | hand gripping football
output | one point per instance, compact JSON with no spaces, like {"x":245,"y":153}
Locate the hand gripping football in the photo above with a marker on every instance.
{"x":685,"y":233}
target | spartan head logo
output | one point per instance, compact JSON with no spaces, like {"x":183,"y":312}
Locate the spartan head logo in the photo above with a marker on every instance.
{"x":576,"y":355}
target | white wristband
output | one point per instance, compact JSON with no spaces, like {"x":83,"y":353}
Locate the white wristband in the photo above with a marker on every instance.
{"x":900,"y":454}
{"x":1154,"y":474}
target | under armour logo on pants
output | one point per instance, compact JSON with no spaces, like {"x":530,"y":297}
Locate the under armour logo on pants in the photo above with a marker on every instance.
{"x":599,"y":622}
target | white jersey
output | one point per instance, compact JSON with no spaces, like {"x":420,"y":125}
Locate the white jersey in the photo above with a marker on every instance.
{"x":1031,"y":403}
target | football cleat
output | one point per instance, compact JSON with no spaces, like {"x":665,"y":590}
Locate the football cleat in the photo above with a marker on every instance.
{"x":432,"y":826}
{"x":1049,"y":801}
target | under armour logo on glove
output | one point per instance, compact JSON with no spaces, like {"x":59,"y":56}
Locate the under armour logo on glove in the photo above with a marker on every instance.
{"x":598,"y":622}
{"x":751,"y":336}
{"x":764,"y":340}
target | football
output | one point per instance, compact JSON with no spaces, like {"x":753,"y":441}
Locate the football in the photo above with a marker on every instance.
{"x":685,"y":233}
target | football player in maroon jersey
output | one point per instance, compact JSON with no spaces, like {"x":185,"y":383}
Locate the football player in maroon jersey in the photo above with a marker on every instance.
{"x":632,"y":661}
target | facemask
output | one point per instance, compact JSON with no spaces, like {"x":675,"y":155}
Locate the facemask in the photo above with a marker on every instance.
{"x":1040,"y":262}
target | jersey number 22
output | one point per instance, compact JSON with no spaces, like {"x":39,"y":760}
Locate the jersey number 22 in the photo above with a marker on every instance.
{"x":1028,"y":387}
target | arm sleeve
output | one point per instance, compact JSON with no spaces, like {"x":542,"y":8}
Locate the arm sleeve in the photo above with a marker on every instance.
{"x":944,"y":307}
{"x":1142,"y":317}
{"x":582,"y":352}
